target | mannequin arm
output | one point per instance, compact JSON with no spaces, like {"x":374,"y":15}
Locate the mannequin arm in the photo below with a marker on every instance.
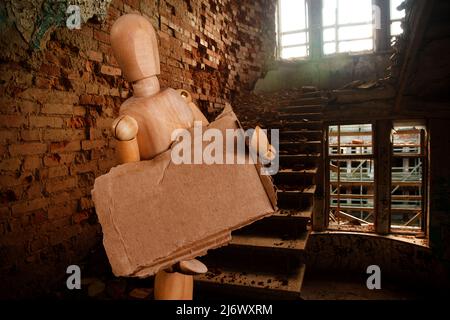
{"x":125,"y":129}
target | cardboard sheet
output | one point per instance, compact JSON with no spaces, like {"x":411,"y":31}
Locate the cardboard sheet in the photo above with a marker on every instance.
{"x":156,"y":213}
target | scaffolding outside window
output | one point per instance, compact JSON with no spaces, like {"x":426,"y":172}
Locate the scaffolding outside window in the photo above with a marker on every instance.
{"x":352,"y":185}
{"x":351,"y":176}
{"x":293,"y":29}
{"x":347,"y":26}
{"x":408,"y":178}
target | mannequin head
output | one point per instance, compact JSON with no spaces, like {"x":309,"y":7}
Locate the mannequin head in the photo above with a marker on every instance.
{"x":135,"y":47}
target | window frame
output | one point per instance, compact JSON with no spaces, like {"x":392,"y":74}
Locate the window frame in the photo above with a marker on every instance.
{"x":341,"y":157}
{"x":423,"y":156}
{"x":379,"y":136}
{"x":337,"y":41}
{"x":307,"y":31}
{"x":381,"y":37}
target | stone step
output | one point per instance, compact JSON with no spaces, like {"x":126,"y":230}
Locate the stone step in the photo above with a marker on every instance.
{"x":310,"y":89}
{"x":299,"y":160}
{"x":275,"y":226}
{"x":238,"y":283}
{"x":299,"y":142}
{"x":308,"y":101}
{"x":293,"y":215}
{"x":300,"y":109}
{"x":272,"y":242}
{"x":297,"y":199}
{"x":291,"y":172}
{"x":312,"y":94}
{"x":300,"y":116}
{"x":305,"y":191}
{"x":296,"y":177}
{"x":301,"y":134}
{"x":298,"y":125}
{"x":300,"y":147}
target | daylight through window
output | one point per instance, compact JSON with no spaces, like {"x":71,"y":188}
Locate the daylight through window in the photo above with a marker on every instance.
{"x":347,"y":26}
{"x":316,"y":28}
{"x":293,"y":32}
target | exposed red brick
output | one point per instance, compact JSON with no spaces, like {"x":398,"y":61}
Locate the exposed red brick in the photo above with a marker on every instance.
{"x":10,"y":121}
{"x":59,"y":185}
{"x":62,"y":135}
{"x":79,"y":111}
{"x":104,"y":122}
{"x":50,"y":70}
{"x":90,"y":166}
{"x":90,"y":99}
{"x":62,"y":235}
{"x":28,"y":107}
{"x":8,"y":136}
{"x":31,"y":135}
{"x":32,"y":162}
{"x":39,"y":217}
{"x":38,"y":244}
{"x":42,"y":122}
{"x":88,"y":144}
{"x":55,"y":172}
{"x":44,"y":83}
{"x":95,"y":56}
{"x":101,"y":36}
{"x":132,"y":3}
{"x":56,"y":159}
{"x":27,"y":149}
{"x":68,"y":146}
{"x":79,"y":217}
{"x":60,"y":211}
{"x":86,"y":203}
{"x":10,"y":164}
{"x":62,"y":97}
{"x":57,"y":108}
{"x":28,"y":206}
{"x":34,"y":190}
{"x":110,"y":70}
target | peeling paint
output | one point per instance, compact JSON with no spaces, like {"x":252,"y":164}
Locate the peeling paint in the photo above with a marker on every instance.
{"x":91,"y":8}
{"x":36,"y":19}
{"x":52,"y":15}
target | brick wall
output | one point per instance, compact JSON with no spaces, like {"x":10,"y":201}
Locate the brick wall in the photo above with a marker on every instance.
{"x":57,"y":103}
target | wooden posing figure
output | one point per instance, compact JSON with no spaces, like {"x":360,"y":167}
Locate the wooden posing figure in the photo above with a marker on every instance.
{"x":146,"y":122}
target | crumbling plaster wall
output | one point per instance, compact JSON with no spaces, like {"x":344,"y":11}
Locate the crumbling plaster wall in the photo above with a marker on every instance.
{"x":36,"y":19}
{"x":328,"y":73}
{"x":60,"y":91}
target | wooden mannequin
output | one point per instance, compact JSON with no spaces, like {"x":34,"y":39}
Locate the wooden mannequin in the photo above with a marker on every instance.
{"x":146,"y":122}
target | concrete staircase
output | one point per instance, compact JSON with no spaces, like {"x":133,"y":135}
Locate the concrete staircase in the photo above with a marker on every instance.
{"x":266,"y":259}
